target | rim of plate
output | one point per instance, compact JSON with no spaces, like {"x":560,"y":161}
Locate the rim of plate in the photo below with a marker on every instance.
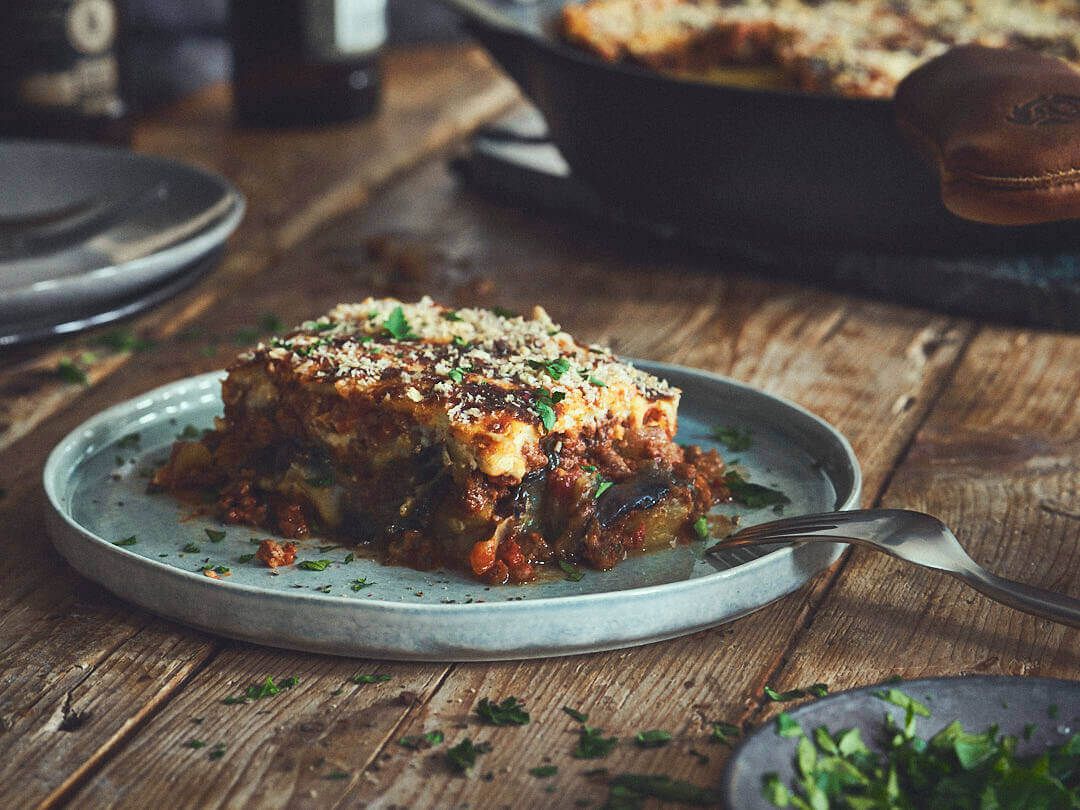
{"x":213,"y":233}
{"x":160,"y":262}
{"x":198,"y":245}
{"x":58,"y":462}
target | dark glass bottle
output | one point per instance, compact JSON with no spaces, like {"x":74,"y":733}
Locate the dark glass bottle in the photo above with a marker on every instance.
{"x":305,"y":62}
{"x":59,"y":73}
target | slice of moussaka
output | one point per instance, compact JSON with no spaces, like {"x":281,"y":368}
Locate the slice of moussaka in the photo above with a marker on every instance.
{"x":469,"y":438}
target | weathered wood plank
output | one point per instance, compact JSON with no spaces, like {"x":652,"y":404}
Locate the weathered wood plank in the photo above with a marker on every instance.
{"x":998,"y":461}
{"x":299,"y":748}
{"x":294,"y":182}
{"x":870,"y":368}
{"x":80,"y":669}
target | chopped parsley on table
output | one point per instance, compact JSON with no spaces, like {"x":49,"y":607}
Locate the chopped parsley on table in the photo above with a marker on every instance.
{"x":416,"y":742}
{"x":592,"y":744}
{"x":653,"y":738}
{"x":313,"y":565}
{"x":954,"y":768}
{"x":123,"y":340}
{"x":360,"y":584}
{"x":722,"y":732}
{"x":510,"y":712}
{"x":463,"y":755}
{"x":628,"y":791}
{"x":127,"y":541}
{"x":67,"y":371}
{"x":544,"y":771}
{"x":814,"y":690}
{"x":581,"y":717}
{"x":381,"y":677}
{"x":215,"y":535}
{"x":265,"y":689}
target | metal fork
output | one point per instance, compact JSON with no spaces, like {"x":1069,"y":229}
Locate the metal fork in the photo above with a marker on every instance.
{"x":915,"y":537}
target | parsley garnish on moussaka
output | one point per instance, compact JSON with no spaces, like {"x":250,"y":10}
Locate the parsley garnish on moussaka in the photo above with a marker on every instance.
{"x":469,"y":438}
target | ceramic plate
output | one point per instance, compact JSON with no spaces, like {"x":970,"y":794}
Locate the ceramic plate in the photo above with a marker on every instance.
{"x":70,"y":322}
{"x":84,"y":226}
{"x":96,"y":483}
{"x":1052,"y":707}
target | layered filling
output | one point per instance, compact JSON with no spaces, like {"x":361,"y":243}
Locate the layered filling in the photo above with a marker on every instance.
{"x":298,"y":461}
{"x":471,"y":438}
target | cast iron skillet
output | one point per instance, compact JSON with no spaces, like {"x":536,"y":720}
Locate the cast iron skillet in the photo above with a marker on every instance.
{"x":768,"y":166}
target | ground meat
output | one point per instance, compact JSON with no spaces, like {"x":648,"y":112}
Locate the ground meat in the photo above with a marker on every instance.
{"x":238,"y":503}
{"x":275,"y":554}
{"x":291,"y":520}
{"x":708,"y":464}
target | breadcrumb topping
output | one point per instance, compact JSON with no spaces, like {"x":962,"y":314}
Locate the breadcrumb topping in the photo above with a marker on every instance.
{"x":470,"y":361}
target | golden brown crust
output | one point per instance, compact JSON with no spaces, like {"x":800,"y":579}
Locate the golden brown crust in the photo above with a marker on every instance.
{"x":862,"y":48}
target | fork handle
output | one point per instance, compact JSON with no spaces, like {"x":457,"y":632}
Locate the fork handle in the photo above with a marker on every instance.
{"x":1056,"y":607}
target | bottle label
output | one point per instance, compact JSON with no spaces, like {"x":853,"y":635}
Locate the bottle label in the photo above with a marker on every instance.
{"x":61,"y":55}
{"x":91,"y":26}
{"x":89,"y":86}
{"x":339,"y":30}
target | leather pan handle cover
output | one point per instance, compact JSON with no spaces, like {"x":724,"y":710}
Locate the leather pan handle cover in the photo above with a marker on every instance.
{"x":1002,"y":127}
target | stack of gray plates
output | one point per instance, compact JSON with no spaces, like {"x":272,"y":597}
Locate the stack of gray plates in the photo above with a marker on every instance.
{"x":89,"y":235}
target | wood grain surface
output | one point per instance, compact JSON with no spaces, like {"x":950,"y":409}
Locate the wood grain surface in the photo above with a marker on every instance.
{"x":100,"y":702}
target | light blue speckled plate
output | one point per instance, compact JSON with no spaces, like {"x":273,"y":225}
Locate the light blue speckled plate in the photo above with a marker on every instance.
{"x":96,"y":480}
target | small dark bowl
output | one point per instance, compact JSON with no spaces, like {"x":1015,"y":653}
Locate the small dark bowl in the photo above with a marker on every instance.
{"x":977,"y":702}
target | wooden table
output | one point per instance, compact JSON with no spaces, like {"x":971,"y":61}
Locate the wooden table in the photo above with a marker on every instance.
{"x":977,"y":423}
